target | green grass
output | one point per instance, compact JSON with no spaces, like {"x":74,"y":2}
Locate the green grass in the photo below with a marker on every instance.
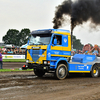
{"x":14,"y":60}
{"x":14,"y":70}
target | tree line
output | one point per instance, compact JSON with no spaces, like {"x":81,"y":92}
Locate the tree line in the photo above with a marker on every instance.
{"x":19,"y":38}
{"x":16,"y":37}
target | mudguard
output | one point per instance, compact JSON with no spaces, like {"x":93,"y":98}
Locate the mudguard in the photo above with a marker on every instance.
{"x":60,"y":59}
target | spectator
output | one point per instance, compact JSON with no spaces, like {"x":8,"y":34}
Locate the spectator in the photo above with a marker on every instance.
{"x":20,"y":51}
{"x":14,"y":51}
{"x":95,"y":49}
{"x":10,"y":51}
{"x":86,"y":48}
{"x":4,"y":52}
{"x":0,"y":59}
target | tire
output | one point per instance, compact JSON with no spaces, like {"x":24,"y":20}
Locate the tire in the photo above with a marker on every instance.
{"x":95,"y":71}
{"x":61,"y":71}
{"x":39,"y":73}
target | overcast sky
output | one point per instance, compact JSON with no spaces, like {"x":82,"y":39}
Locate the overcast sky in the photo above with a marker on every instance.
{"x":38,"y":14}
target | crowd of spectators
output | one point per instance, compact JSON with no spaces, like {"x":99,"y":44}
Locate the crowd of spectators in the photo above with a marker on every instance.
{"x":88,"y":49}
{"x":12,"y":51}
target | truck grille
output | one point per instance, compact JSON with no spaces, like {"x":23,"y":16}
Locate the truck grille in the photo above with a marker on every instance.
{"x":35,"y":54}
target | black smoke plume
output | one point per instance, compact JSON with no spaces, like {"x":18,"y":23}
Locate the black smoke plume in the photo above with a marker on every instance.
{"x":79,"y":11}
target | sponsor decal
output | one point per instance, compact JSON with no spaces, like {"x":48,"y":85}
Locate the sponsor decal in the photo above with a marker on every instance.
{"x":87,"y":67}
{"x":16,"y":56}
{"x":35,"y":47}
{"x":6,"y":57}
{"x":56,"y":52}
{"x":13,"y":56}
{"x":66,"y":53}
{"x":49,"y":54}
{"x":65,"y":40}
{"x":82,"y":67}
{"x":89,"y":58}
{"x":41,"y":55}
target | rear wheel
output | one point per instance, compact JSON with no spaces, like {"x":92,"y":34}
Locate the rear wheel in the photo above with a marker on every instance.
{"x":95,"y":71}
{"x":61,"y":71}
{"x":38,"y":72}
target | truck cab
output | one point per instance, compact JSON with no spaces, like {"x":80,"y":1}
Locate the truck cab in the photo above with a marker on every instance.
{"x":46,"y":49}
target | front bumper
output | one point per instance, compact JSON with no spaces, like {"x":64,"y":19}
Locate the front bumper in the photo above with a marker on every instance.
{"x":38,"y":66}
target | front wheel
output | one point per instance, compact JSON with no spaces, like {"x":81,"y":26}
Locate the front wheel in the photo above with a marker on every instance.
{"x":61,"y":71}
{"x":39,"y":73}
{"x":95,"y":71}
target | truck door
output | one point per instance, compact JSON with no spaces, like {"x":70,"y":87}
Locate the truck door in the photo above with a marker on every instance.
{"x":56,"y":50}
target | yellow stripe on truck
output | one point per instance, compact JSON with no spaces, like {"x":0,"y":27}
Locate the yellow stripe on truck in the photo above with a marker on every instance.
{"x":60,"y":55}
{"x":64,"y":33}
{"x":79,"y":71}
{"x":56,"y":48}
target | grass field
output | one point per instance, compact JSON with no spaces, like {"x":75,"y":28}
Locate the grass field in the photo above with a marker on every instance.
{"x":14,"y":60}
{"x":14,"y":70}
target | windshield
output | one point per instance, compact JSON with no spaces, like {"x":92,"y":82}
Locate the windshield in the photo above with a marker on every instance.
{"x":40,"y":39}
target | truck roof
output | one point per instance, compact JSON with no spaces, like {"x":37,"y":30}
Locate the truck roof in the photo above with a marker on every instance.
{"x":44,"y":31}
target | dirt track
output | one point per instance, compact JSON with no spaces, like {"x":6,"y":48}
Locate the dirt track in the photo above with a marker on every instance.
{"x":26,"y":86}
{"x":13,"y":64}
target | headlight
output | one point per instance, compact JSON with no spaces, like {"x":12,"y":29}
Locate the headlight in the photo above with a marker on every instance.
{"x":27,"y":61}
{"x":47,"y":62}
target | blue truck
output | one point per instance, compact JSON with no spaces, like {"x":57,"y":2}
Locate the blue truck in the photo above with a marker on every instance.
{"x":49,"y":51}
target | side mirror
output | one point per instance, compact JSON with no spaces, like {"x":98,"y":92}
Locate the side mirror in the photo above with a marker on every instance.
{"x":55,"y":41}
